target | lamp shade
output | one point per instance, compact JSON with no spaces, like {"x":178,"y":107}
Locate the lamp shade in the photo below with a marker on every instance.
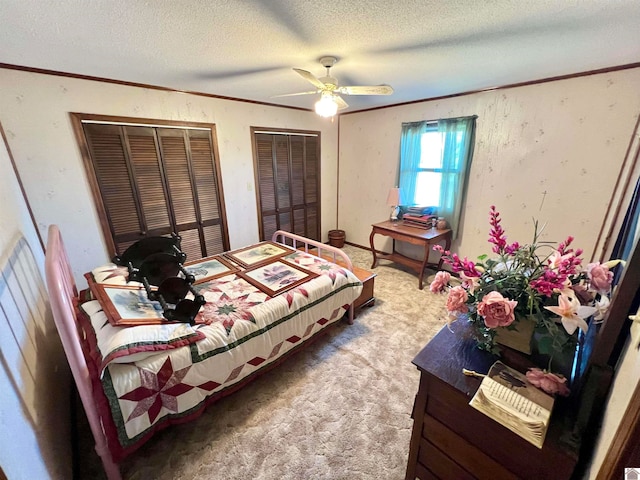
{"x":326,"y":106}
{"x":393,"y":199}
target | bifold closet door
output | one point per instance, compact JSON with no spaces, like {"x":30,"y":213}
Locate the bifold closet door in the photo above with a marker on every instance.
{"x":287,"y":178}
{"x":192,"y":189}
{"x":155,"y":181}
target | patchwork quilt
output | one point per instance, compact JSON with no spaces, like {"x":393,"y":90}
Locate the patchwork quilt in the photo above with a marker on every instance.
{"x":154,"y":374}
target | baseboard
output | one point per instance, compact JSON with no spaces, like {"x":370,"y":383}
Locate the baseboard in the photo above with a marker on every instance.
{"x":358,"y":246}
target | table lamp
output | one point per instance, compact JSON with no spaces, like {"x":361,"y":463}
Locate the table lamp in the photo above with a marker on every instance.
{"x":393,"y":200}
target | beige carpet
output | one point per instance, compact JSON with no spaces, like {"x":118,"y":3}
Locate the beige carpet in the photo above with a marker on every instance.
{"x":339,"y":409}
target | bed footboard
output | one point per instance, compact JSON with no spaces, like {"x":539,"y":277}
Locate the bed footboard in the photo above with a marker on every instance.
{"x":323,"y":250}
{"x":62,"y":295}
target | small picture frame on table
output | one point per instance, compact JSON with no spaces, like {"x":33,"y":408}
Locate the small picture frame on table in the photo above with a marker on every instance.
{"x":209,"y":268}
{"x":276,"y":277}
{"x":258,"y":254}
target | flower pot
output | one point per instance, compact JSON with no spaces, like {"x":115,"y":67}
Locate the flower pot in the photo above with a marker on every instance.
{"x":520,"y":349}
{"x":336,"y":238}
{"x":519,"y":338}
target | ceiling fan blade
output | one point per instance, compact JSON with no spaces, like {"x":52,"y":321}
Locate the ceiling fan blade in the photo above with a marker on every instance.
{"x":309,"y":77}
{"x":294,"y":94}
{"x":340,"y":101}
{"x":370,"y":90}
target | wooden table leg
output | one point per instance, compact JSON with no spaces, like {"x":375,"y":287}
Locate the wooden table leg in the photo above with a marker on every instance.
{"x":424,"y":264}
{"x":447,"y":246}
{"x":373,"y":249}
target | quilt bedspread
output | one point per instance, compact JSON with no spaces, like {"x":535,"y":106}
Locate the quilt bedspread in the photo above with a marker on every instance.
{"x":244,"y":331}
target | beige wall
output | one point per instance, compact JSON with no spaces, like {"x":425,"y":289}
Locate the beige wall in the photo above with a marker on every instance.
{"x":34,"y":110}
{"x":549,"y":151}
{"x":34,"y":377}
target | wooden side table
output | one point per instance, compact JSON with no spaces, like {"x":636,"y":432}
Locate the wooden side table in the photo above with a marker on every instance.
{"x":450,"y":439}
{"x":414,"y":235}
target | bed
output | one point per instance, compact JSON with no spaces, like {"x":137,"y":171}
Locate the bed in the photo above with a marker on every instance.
{"x":136,"y":380}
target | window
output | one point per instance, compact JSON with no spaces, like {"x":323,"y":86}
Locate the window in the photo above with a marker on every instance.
{"x":152,"y":177}
{"x":429,"y":172}
{"x":434,"y":164}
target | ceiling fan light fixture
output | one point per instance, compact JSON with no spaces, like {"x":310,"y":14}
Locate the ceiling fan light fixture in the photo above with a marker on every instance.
{"x":326,"y":106}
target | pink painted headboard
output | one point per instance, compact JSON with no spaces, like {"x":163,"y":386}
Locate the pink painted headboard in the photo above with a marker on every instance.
{"x":62,"y":297}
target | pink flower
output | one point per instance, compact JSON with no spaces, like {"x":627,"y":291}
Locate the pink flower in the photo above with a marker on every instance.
{"x":549,"y":382}
{"x":563,"y":247}
{"x":497,"y":310}
{"x":556,"y":259}
{"x":496,"y":235}
{"x":469,"y":283}
{"x":549,"y":281}
{"x":511,"y":249}
{"x":456,"y":300}
{"x":600,"y":277}
{"x":440,"y":282}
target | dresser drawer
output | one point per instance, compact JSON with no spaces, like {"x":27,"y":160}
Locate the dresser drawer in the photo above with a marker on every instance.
{"x":447,"y":406}
{"x":472,"y":460}
{"x":439,"y":464}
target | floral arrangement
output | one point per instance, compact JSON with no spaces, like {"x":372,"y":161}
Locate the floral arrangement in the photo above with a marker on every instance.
{"x":535,"y":281}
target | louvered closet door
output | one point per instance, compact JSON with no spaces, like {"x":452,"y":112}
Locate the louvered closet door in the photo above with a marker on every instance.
{"x":188,"y":165}
{"x":154,"y":181}
{"x":283,"y":184}
{"x":133,"y":203}
{"x":209,"y":198}
{"x":266,"y":185}
{"x":287,"y":174}
{"x":312,"y":186}
{"x":297,"y":186}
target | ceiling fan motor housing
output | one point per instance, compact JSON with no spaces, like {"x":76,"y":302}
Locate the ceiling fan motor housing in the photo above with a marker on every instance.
{"x":328,"y":62}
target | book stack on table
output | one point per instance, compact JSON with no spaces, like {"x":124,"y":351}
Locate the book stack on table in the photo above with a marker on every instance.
{"x":421,"y":221}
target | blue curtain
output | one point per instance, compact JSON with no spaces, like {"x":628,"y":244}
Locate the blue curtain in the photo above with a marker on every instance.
{"x":459,"y":136}
{"x":410,"y":159}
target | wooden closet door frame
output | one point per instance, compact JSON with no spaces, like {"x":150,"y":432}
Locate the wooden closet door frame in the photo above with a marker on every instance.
{"x":76,"y":121}
{"x":288,"y":132}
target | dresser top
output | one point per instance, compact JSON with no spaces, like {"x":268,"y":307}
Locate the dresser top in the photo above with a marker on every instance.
{"x":452,"y":349}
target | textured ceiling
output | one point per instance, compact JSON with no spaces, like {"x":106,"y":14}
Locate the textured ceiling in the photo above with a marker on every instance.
{"x":246,"y":49}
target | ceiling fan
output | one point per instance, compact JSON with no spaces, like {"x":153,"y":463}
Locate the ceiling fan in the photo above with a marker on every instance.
{"x":328,"y":88}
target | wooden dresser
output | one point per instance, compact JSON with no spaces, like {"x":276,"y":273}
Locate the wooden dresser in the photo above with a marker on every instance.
{"x":451,"y":440}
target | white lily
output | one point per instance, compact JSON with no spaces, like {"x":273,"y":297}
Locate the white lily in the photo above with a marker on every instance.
{"x":572,"y":314}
